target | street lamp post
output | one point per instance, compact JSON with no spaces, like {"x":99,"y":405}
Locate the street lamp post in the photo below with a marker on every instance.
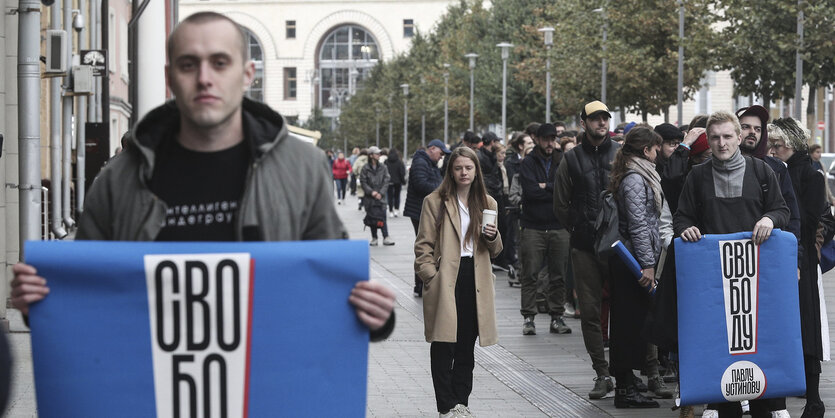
{"x":405,"y":88}
{"x":377,"y":122}
{"x":422,"y":114}
{"x":602,"y":11}
{"x":472,"y":57}
{"x":390,"y":122}
{"x":798,"y":83}
{"x":680,"y":62}
{"x":549,"y":41}
{"x":446,"y":102}
{"x":505,"y":46}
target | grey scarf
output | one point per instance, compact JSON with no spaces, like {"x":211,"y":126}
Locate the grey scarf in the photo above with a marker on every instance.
{"x":728,"y":175}
{"x":646,"y":169}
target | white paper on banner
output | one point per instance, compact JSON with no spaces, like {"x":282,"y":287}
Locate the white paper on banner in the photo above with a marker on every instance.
{"x":198,"y":306}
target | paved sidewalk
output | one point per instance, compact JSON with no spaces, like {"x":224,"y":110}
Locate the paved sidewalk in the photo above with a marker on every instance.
{"x":522,"y":376}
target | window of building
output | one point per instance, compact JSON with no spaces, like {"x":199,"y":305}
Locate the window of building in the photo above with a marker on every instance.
{"x":291,"y":29}
{"x":290,"y":83}
{"x":256,"y":89}
{"x":346,"y":58}
{"x":408,"y":28}
{"x":123,"y":48}
{"x":111,"y":40}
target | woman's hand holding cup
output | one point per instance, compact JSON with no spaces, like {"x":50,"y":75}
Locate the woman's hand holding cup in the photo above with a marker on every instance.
{"x":488,"y":223}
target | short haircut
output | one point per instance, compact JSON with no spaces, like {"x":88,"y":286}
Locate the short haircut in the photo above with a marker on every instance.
{"x":721,"y":117}
{"x":814,"y":147}
{"x":471,"y":138}
{"x":532,"y":128}
{"x":206,"y":17}
{"x":559,"y":124}
{"x":698,"y":121}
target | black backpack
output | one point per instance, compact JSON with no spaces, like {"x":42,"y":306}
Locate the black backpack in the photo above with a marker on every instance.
{"x":606,"y":226}
{"x":375,"y":214}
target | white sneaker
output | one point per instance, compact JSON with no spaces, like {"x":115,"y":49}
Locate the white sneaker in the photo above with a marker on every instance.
{"x":396,"y":213}
{"x":391,"y":214}
{"x":373,"y":242}
{"x":459,"y":411}
{"x":710,"y":413}
{"x":463,"y":411}
{"x":780,"y":414}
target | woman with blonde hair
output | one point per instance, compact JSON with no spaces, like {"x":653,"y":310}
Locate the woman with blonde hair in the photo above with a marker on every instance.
{"x":452,"y":258}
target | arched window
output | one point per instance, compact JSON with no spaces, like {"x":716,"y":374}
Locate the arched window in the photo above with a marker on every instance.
{"x":256,"y":89}
{"x":345,"y":59}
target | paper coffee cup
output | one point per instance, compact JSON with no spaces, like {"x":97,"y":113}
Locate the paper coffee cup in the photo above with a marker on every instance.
{"x":488,"y":217}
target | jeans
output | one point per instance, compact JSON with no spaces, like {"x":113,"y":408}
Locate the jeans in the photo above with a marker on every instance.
{"x":340,"y":188}
{"x":452,"y":363}
{"x":537,"y":247}
{"x":393,"y":197}
{"x":590,"y":274}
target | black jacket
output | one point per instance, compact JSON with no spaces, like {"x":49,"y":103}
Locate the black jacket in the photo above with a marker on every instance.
{"x":491,"y":172}
{"x":397,"y":171}
{"x":673,"y":171}
{"x":699,"y":207}
{"x":811,"y":198}
{"x":424,"y":178}
{"x":580,"y":179}
{"x":538,"y":203}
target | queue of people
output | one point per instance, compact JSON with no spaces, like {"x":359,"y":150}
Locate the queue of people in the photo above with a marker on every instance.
{"x":726,"y":172}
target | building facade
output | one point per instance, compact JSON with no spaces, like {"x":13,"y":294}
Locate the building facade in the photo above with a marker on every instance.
{"x":316,"y":53}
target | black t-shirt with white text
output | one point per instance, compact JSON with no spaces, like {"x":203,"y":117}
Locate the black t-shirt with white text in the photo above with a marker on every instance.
{"x":201,"y":189}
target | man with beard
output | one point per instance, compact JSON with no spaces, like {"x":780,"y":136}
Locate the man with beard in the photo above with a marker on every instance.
{"x":753,"y":120}
{"x":580,"y":179}
{"x":544,"y":238}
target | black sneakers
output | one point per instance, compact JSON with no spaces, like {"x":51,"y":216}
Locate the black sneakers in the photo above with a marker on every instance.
{"x":631,"y":398}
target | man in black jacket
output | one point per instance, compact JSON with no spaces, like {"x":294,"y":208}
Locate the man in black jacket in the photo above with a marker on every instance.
{"x":581,"y":177}
{"x":735,"y":186}
{"x":489,"y":167}
{"x":424,"y":178}
{"x":543,"y":237}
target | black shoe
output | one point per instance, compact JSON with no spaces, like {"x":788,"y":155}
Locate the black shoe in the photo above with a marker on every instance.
{"x":639,"y":384}
{"x":630,"y":398}
{"x":813,"y":410}
{"x":419,"y":290}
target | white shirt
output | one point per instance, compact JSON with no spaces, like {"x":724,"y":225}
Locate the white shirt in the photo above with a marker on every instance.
{"x":464,"y":214}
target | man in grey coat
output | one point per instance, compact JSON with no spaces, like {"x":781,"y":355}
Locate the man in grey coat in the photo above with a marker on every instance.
{"x":212,"y":165}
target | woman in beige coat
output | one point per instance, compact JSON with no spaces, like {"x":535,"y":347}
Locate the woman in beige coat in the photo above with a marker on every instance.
{"x":452,"y":257}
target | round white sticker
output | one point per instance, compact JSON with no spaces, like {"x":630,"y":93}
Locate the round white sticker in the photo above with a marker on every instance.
{"x":743,"y":380}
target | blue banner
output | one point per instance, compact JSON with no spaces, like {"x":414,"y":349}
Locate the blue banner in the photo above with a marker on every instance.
{"x":199,"y":329}
{"x":738,"y":318}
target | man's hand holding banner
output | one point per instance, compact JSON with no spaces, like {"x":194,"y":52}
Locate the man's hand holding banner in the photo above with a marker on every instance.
{"x":199,"y":329}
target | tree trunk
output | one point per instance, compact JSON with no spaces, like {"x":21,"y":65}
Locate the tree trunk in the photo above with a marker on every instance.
{"x":767,"y":101}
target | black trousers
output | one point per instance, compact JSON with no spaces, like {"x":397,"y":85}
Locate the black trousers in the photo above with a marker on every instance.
{"x":453,"y":363}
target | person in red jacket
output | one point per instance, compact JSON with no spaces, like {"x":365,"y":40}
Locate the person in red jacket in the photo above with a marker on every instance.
{"x":341,"y":171}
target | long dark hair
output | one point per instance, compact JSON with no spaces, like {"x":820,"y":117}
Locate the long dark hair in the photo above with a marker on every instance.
{"x":393,"y":156}
{"x":634,"y":144}
{"x":477,"y":198}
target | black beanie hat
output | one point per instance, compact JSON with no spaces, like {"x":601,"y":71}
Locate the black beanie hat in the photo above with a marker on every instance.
{"x":669,"y":132}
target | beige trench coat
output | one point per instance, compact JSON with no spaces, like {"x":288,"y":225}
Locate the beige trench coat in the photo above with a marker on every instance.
{"x":436,"y":263}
